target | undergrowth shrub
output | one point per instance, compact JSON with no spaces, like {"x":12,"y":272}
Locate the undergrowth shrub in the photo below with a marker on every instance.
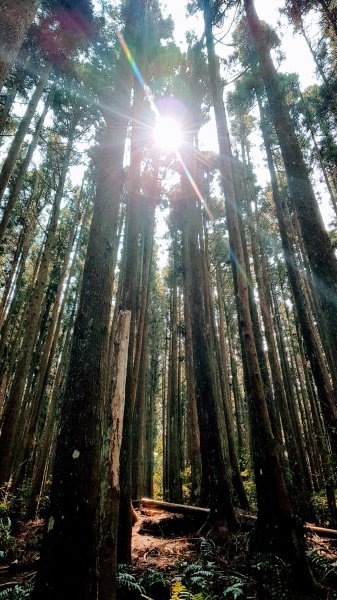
{"x":128,"y":588}
{"x":272,"y":575}
{"x":7,"y":541}
{"x":324,"y":569}
{"x":204,"y":580}
{"x":320,"y":508}
{"x":6,"y":500}
{"x":155,"y":584}
{"x":17,"y":593}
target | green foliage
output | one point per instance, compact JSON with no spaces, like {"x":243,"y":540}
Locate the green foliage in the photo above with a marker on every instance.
{"x":235,"y":590}
{"x":7,"y":541}
{"x":44,"y":500}
{"x":16,"y":593}
{"x":180,"y":592}
{"x":6,"y":500}
{"x":186,"y":478}
{"x":127,"y":585}
{"x":200,"y":574}
{"x":321,"y":564}
{"x":320,"y":508}
{"x":21,"y":500}
{"x":157,"y":471}
{"x":272,"y":574}
{"x":155,"y":584}
{"x":202,"y":580}
{"x":249,"y":485}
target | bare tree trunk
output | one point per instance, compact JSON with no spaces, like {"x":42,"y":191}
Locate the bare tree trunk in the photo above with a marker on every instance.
{"x":37,"y":393}
{"x":110,"y":485}
{"x":131,"y":281}
{"x":173,"y":492}
{"x":192,"y":421}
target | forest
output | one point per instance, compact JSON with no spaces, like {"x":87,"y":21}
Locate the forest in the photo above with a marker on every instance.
{"x":168,"y":301}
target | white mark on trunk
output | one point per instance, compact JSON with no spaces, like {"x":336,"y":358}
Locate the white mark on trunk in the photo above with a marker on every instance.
{"x":51,"y":523}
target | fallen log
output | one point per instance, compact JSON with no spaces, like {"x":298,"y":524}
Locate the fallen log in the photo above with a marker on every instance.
{"x":183,"y":509}
{"x":186,"y":509}
{"x":322,"y":531}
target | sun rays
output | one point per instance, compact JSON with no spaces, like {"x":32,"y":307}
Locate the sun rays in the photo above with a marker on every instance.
{"x":168,"y":134}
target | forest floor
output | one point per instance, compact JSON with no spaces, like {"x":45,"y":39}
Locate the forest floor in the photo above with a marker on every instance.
{"x":169,"y":547}
{"x":172,"y":560}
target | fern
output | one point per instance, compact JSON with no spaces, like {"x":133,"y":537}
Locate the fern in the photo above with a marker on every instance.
{"x":127,"y":583}
{"x":236,"y":590}
{"x":180,"y":592}
{"x":322,"y":564}
{"x":206,"y":549}
{"x":276,"y":571}
{"x":16,"y":593}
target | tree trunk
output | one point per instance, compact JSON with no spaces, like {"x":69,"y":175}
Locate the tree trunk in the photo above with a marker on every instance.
{"x":173,"y":492}
{"x":72,"y":537}
{"x":131,"y":281}
{"x":320,"y":374}
{"x":215,"y":465}
{"x":17,"y":184}
{"x":276,"y":526}
{"x":110,"y":487}
{"x":8,"y":437}
{"x":321,"y":256}
{"x":10,"y":160}
{"x":37,"y":393}
{"x":46,"y":445}
{"x":15,"y":19}
{"x":192,"y":421}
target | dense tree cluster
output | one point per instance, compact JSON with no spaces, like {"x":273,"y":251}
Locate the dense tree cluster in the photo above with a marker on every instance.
{"x":211,"y":379}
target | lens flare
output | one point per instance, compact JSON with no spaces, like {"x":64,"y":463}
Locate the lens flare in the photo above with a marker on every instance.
{"x":167,"y":134}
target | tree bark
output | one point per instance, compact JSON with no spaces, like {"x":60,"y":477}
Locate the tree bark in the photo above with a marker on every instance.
{"x":215,"y":465}
{"x":15,"y":19}
{"x":110,"y":485}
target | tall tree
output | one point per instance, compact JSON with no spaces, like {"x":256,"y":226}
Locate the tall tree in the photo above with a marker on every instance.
{"x":15,"y":20}
{"x":277,"y":527}
{"x":321,"y":255}
{"x":71,"y":541}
